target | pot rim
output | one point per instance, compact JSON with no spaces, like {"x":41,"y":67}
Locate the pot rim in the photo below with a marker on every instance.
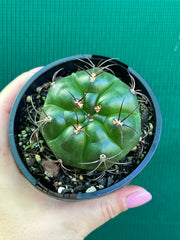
{"x":124,"y":181}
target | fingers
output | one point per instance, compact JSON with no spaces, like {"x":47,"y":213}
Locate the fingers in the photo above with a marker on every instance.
{"x":94,"y":213}
{"x":7,"y":97}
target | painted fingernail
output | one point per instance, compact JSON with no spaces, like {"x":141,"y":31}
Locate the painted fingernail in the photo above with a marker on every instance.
{"x":137,"y":199}
{"x":36,"y":69}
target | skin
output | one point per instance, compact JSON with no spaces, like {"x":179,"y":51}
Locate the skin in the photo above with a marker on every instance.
{"x":26,"y":213}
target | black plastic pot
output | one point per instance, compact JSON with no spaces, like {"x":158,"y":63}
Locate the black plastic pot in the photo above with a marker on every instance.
{"x":69,"y":64}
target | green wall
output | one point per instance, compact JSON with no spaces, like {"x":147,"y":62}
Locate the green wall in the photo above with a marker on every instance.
{"x":143,"y":34}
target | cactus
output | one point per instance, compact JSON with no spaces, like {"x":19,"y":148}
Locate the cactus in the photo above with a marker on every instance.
{"x":93,"y":118}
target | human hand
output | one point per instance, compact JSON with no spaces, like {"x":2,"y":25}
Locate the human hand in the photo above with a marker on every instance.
{"x":26,"y":213}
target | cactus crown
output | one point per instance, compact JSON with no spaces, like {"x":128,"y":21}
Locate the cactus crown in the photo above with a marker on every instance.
{"x":93,"y":118}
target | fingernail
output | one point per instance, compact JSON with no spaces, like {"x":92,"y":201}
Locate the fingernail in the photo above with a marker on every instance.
{"x":137,"y":199}
{"x":35,"y":69}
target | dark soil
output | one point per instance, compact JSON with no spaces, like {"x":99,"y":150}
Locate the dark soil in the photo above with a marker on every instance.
{"x":65,"y":180}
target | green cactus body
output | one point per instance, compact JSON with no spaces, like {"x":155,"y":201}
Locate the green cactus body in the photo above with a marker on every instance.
{"x":84,"y":120}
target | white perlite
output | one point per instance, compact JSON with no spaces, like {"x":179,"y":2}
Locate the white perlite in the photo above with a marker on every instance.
{"x":91,"y":189}
{"x":60,"y":189}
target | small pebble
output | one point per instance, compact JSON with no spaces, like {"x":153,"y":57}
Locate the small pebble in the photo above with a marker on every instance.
{"x":100,"y":186}
{"x":47,"y":178}
{"x":137,"y":162}
{"x":91,"y":189}
{"x":33,"y":169}
{"x":134,"y":148}
{"x":74,"y":179}
{"x":129,"y":159}
{"x":28,"y":99}
{"x":41,"y":149}
{"x":28,"y":129}
{"x":150,"y":133}
{"x":81,"y":177}
{"x":60,"y":189}
{"x":116,"y":167}
{"x":24,"y":135}
{"x":150,"y":126}
{"x":23,"y":132}
{"x":110,"y":181}
{"x":38,"y":89}
{"x":38,"y":158}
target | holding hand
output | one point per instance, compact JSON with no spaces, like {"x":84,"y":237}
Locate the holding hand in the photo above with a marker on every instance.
{"x":26,"y":213}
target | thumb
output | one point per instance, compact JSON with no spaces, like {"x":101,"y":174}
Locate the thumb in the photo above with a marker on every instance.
{"x":7,"y":97}
{"x":94,"y":213}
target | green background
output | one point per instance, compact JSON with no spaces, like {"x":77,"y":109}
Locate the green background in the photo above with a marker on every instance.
{"x":143,"y":34}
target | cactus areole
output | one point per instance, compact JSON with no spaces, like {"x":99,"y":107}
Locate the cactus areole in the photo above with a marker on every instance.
{"x":94,"y":117}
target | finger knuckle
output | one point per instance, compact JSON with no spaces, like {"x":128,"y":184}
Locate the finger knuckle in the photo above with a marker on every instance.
{"x":108,"y":210}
